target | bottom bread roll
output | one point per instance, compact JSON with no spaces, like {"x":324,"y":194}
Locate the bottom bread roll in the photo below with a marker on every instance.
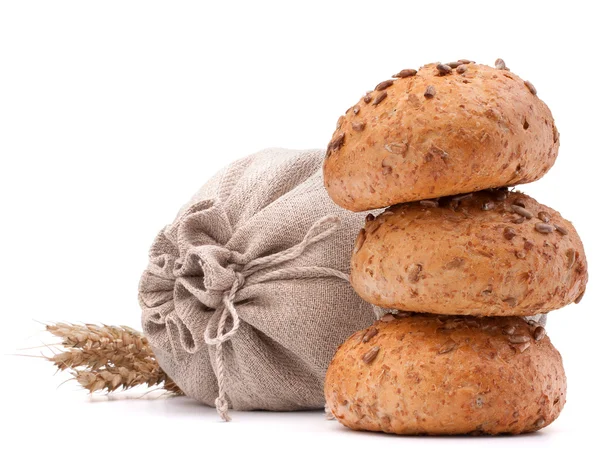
{"x":444,"y":375}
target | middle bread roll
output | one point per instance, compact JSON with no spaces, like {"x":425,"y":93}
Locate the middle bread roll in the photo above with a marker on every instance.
{"x":491,"y":253}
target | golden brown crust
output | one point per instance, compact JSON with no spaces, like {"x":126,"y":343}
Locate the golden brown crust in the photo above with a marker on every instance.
{"x":428,"y":135}
{"x":451,"y":256}
{"x":442,"y":375}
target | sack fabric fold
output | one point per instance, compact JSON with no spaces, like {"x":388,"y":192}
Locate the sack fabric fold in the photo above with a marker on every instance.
{"x":246,"y":295}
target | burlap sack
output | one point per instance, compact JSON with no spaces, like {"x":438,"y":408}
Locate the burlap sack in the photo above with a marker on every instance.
{"x":246,"y":296}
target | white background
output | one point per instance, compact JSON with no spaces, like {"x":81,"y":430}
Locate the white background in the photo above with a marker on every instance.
{"x":113,"y":113}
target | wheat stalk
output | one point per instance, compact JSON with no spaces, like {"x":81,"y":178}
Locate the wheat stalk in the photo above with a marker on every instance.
{"x":104,"y":357}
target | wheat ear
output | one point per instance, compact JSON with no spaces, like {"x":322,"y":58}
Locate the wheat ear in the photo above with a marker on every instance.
{"x":104,"y":357}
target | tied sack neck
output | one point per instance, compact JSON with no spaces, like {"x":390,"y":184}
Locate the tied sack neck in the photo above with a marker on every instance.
{"x":187,"y":248}
{"x":215,"y":334}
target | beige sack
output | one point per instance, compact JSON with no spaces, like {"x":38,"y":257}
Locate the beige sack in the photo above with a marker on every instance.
{"x":246,"y":296}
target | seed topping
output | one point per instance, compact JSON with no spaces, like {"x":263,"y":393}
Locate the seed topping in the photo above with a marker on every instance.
{"x":570,"y":258}
{"x":356,"y":109}
{"x":531,"y":87}
{"x":447,"y":347}
{"x":500,"y":64}
{"x":368,"y":98}
{"x":371,"y":332}
{"x":444,"y":69}
{"x":518,"y":339}
{"x":509,"y":330}
{"x":544,"y":228}
{"x":456,"y":262}
{"x":414,"y":272}
{"x":540,"y":422}
{"x":428,"y":203}
{"x":561,"y":230}
{"x":382,"y":95}
{"x":462,"y":68}
{"x":358,"y":126}
{"x":429,"y":92}
{"x":509,"y":233}
{"x":544,"y":216}
{"x":337,"y":143}
{"x":371,"y":354}
{"x":405,"y":73}
{"x":397,"y":148}
{"x":522,"y":347}
{"x":488,"y":205}
{"x":521,"y":211}
{"x":383,"y":85}
{"x":539,"y":333}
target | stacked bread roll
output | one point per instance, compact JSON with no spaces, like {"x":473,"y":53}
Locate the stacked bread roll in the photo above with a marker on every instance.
{"x":461,"y":262}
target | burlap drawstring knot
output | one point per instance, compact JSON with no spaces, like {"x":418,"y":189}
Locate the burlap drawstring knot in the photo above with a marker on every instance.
{"x":215,"y":334}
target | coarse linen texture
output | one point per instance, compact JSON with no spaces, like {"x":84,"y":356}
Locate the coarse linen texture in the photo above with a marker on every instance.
{"x":246,"y":296}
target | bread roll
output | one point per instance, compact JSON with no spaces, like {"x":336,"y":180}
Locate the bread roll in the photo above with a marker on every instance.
{"x":441,"y":375}
{"x":435,"y":133}
{"x":490,"y":253}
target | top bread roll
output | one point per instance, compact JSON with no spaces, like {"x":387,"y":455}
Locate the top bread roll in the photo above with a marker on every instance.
{"x":444,"y":130}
